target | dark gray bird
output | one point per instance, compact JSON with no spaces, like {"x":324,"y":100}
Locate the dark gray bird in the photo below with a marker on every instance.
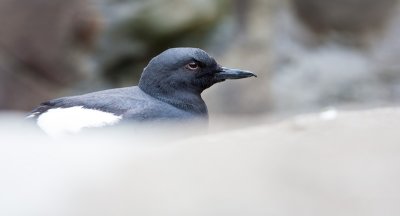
{"x":169,"y":89}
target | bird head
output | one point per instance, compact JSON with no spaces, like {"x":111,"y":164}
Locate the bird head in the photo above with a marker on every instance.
{"x":186,"y":70}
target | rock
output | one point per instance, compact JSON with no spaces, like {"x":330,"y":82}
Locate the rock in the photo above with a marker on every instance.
{"x":39,"y":41}
{"x":138,"y":30}
{"x":346,"y":165}
{"x":334,"y":65}
{"x":345,"y":16}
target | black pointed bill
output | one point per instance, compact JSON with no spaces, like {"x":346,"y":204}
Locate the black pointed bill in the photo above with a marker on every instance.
{"x":229,"y":73}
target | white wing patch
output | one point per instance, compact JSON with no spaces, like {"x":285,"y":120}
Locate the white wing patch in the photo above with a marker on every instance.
{"x":60,"y":121}
{"x":32,"y":115}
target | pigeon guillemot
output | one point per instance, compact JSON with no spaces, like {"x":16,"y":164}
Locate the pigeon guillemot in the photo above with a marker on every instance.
{"x":169,"y":89}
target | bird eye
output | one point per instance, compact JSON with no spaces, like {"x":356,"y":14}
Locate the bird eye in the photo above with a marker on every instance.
{"x":192,"y":66}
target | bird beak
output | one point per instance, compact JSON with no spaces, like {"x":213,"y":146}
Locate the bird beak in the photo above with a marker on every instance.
{"x":228,"y":73}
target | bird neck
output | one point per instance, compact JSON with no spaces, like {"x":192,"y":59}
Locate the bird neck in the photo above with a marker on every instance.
{"x":184,"y":100}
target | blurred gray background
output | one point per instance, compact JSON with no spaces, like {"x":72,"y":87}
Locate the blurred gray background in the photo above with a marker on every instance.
{"x":309,"y":54}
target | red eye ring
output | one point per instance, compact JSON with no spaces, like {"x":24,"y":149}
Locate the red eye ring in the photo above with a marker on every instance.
{"x":192,"y":66}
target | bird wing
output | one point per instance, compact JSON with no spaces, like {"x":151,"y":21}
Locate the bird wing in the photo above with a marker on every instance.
{"x":72,"y":114}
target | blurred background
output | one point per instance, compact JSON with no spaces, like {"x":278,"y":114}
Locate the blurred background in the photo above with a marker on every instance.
{"x":309,"y":54}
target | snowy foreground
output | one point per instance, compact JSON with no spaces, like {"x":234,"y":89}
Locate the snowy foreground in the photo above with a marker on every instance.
{"x":332,"y":163}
